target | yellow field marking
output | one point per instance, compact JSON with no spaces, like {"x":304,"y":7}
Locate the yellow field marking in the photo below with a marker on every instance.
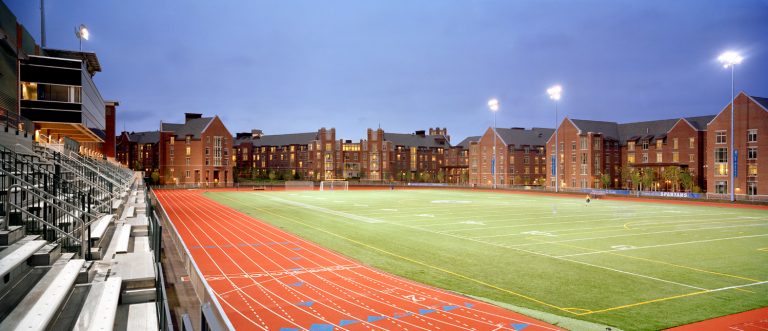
{"x":764,"y":249}
{"x":579,"y":311}
{"x":417,"y":262}
{"x":653,"y":261}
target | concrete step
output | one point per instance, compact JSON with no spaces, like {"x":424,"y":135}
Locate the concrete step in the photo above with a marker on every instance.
{"x":100,"y":307}
{"x":136,"y":317}
{"x":38,"y":309}
{"x":12,"y":235}
{"x":46,"y":255}
{"x":15,"y":255}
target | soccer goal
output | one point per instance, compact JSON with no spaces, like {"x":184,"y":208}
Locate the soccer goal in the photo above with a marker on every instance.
{"x":294,"y":185}
{"x":334,"y":185}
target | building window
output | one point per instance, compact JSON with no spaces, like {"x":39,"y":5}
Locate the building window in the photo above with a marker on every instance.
{"x":186,"y":174}
{"x":720,"y":137}
{"x":658,"y":157}
{"x":631,"y":146}
{"x":186,"y":162}
{"x":721,"y":187}
{"x":691,"y":142}
{"x":675,"y":156}
{"x":631,"y":158}
{"x":583,"y":142}
{"x":217,"y":147}
{"x":188,"y":151}
{"x":752,"y":170}
{"x":751,"y":188}
{"x":752,"y":135}
{"x":691,"y":158}
{"x":645,"y":145}
{"x":188,"y":141}
{"x":752,"y":153}
{"x":721,"y":161}
{"x":596,"y":143}
{"x":645,"y":157}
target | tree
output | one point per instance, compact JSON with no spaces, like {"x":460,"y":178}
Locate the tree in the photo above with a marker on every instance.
{"x":465,"y":177}
{"x":155,"y":177}
{"x":647,"y":178}
{"x":636,"y":177}
{"x":272,"y":175}
{"x":606,"y":180}
{"x":673,"y":175}
{"x":440,"y":176}
{"x":626,"y":176}
{"x":518,"y":180}
{"x":686,"y":179}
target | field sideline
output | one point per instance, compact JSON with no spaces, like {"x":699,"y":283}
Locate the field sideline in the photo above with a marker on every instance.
{"x":634,"y":265}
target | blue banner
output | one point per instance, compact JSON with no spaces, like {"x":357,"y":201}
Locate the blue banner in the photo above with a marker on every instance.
{"x":493,"y":166}
{"x":735,"y":163}
{"x":554,"y":164}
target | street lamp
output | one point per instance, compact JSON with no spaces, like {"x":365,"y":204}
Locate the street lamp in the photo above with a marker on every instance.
{"x":81,"y":33}
{"x":731,"y":59}
{"x":493,"y":104}
{"x":555,"y":93}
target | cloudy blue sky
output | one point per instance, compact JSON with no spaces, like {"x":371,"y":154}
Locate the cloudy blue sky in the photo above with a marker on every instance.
{"x":292,"y":66}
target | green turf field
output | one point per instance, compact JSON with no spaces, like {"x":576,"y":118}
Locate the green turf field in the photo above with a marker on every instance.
{"x":632,"y":265}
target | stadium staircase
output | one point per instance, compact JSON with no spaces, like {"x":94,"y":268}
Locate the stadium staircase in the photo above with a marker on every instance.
{"x":77,"y":250}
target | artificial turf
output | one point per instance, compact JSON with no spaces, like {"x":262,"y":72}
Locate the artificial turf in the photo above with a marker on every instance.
{"x":628,"y":264}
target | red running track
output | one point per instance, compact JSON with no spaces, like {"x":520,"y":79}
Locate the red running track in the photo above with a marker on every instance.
{"x":268,"y":279}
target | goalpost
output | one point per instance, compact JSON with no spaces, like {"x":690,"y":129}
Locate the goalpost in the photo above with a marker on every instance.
{"x":334,"y":185}
{"x":299,"y":185}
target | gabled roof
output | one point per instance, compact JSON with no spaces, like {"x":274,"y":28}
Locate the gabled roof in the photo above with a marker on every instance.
{"x":465,"y":143}
{"x":607,"y":129}
{"x":649,"y":130}
{"x":414,"y":140}
{"x":146,"y":137}
{"x":193,"y":127}
{"x":700,"y":122}
{"x":520,"y":137}
{"x":762,"y":101}
{"x":304,"y":138}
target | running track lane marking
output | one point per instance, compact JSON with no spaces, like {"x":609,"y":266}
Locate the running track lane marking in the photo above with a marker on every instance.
{"x":414,"y":261}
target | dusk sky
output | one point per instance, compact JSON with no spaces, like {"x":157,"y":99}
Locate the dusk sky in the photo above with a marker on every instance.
{"x":296,"y":66}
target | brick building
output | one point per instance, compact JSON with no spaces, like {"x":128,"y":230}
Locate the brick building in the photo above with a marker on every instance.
{"x":594,"y":153}
{"x":196,"y":151}
{"x":750,"y":135}
{"x":456,"y":167}
{"x":405,"y":157}
{"x":520,"y":154}
{"x":139,"y":151}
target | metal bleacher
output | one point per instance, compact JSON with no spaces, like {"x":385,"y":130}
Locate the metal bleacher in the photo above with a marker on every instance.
{"x":77,"y":250}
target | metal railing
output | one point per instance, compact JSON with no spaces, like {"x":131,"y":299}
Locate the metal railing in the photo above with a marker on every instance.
{"x":213,"y":316}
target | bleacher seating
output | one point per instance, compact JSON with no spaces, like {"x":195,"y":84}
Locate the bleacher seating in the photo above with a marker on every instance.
{"x":61,"y":204}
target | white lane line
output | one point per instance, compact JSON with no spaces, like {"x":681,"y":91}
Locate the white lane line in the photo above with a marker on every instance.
{"x":664,"y":245}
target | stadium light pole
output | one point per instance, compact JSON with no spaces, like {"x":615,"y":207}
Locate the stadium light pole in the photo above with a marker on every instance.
{"x":555,"y":92}
{"x":493,"y":104}
{"x":730,"y":60}
{"x":81,"y":33}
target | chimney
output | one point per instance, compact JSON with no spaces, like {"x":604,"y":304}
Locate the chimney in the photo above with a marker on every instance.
{"x":256,"y":133}
{"x":191,"y":116}
{"x":420,"y":133}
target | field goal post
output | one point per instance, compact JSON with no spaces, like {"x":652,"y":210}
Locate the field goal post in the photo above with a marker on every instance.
{"x":293,"y":185}
{"x":334,"y":185}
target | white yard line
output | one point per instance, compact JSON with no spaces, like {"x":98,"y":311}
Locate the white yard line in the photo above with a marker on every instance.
{"x":664,"y":245}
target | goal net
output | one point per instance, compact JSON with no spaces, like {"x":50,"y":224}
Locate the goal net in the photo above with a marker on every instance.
{"x":334,"y":185}
{"x":299,"y":185}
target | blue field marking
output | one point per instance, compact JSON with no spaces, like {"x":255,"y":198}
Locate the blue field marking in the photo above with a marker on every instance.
{"x":305,"y":303}
{"x":289,"y":329}
{"x":426,"y":311}
{"x":225,"y":246}
{"x":468,"y":305}
{"x":347,"y":322}
{"x":243,"y":244}
{"x":296,"y":248}
{"x":296,"y":284}
{"x":195,"y":247}
{"x":402,"y":315}
{"x":210,"y":246}
{"x":294,"y":269}
{"x":296,"y":258}
{"x":321,"y":327}
{"x":449,"y":308}
{"x":372,"y":319}
{"x":519,"y":327}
